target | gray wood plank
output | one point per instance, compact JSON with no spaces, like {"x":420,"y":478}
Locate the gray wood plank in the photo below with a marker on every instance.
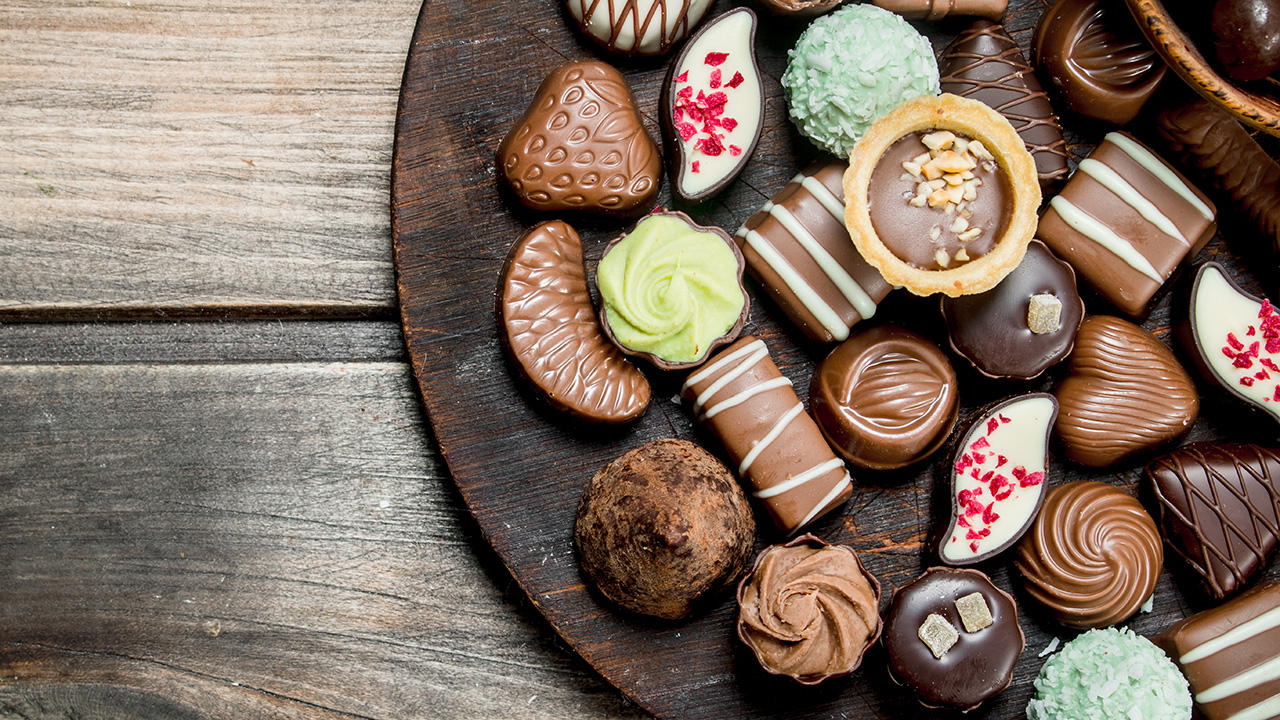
{"x":253,"y":540}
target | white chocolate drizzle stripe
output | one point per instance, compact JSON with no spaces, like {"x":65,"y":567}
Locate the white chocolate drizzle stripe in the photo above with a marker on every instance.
{"x":769,"y":437}
{"x":1156,"y":166}
{"x":1112,"y":181}
{"x":1104,"y":236}
{"x":1244,"y":631}
{"x":720,"y":362}
{"x":715,"y":387}
{"x":745,"y":395}
{"x":822,"y":195}
{"x":796,"y":481}
{"x":812,"y":301}
{"x":1247,"y":680}
{"x":845,"y":482}
{"x":849,"y":287}
{"x":1264,"y":710}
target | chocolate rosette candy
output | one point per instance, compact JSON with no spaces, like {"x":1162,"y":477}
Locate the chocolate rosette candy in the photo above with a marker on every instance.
{"x":1093,"y":555}
{"x":809,"y":610}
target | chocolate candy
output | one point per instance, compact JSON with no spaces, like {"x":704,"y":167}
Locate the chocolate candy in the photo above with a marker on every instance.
{"x":581,"y":145}
{"x":740,"y":395}
{"x":933,"y":10}
{"x":821,"y":636}
{"x":1092,"y":556}
{"x":798,"y":248}
{"x":983,"y":63}
{"x":1205,"y":136}
{"x":1233,"y":339}
{"x":713,"y":106}
{"x":998,"y":478}
{"x":1246,"y":37}
{"x":799,"y":8}
{"x":1220,"y":510}
{"x":1230,"y":655}
{"x":994,"y":331}
{"x":1096,"y":59}
{"x":1126,"y":220}
{"x":1126,"y":393}
{"x":940,"y":605}
{"x":548,"y":329}
{"x":885,"y":398}
{"x":637,"y":27}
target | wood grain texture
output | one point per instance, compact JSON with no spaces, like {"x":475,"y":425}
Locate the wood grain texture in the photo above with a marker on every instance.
{"x":521,"y":470}
{"x":252,"y":540}
{"x":191,"y":157}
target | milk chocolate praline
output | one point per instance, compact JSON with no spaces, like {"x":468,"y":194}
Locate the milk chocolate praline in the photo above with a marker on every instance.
{"x":809,"y":610}
{"x":885,"y":398}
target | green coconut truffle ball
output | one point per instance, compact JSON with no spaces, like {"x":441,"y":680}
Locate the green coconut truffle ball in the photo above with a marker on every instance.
{"x":1110,"y":675}
{"x":851,"y":67}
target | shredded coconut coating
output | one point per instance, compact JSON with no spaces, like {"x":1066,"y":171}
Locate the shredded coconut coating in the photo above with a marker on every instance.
{"x":1110,"y":675}
{"x":852,"y":66}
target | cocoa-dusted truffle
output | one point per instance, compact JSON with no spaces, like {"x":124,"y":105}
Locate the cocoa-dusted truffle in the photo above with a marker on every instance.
{"x":662,"y":526}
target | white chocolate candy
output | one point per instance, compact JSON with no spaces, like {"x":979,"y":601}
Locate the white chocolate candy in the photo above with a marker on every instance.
{"x":638,"y":27}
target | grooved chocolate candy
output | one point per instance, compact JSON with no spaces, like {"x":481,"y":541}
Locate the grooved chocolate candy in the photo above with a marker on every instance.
{"x":581,"y":145}
{"x":637,"y":27}
{"x":1126,"y":393}
{"x":549,"y":331}
{"x":983,"y":63}
{"x":1220,"y":510}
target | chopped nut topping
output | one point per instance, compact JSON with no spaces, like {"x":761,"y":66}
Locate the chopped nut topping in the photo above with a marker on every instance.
{"x":935,"y":233}
{"x":945,"y":181}
{"x":962,"y":256}
{"x":969,"y":234}
{"x":942,"y":258}
{"x":978,"y":150}
{"x":939,"y":140}
{"x":911,"y":167}
{"x":960,"y":225}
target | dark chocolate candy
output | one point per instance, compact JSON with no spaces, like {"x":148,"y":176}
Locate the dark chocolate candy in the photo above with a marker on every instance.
{"x":1126,"y":220}
{"x":983,"y":63}
{"x":713,"y":106}
{"x":1229,"y":655}
{"x":1246,"y":37}
{"x":998,"y":477}
{"x":1125,"y":394}
{"x":978,"y":665}
{"x":885,"y":398}
{"x":991,"y":329}
{"x":549,"y":331}
{"x":934,"y":10}
{"x":581,"y":145}
{"x":799,"y":8}
{"x":637,"y":27}
{"x":798,"y":248}
{"x":1096,"y":59}
{"x":742,"y":397}
{"x":1220,"y":510}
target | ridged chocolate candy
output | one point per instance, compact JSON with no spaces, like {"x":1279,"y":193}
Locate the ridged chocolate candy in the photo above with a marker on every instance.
{"x":1092,"y":556}
{"x":1220,"y":510}
{"x":638,"y":27}
{"x":1125,"y":394}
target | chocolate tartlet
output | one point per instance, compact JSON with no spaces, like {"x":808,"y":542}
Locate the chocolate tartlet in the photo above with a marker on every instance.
{"x":941,"y":196}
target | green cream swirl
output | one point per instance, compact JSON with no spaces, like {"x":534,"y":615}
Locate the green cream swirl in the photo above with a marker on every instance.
{"x":669,"y":289}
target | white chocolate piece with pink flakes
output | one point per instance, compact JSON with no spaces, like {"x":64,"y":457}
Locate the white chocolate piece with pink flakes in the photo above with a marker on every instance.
{"x":1238,"y":337}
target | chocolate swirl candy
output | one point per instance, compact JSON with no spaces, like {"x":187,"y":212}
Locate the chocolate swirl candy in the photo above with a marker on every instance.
{"x":638,"y":27}
{"x":809,"y":610}
{"x":1093,"y":555}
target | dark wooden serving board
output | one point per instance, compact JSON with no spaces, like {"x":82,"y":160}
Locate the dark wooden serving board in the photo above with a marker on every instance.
{"x":521,"y":469}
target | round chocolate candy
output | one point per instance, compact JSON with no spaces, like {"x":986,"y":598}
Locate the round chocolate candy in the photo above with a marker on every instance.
{"x":885,"y":398}
{"x":953,"y":637}
{"x":1022,"y":326}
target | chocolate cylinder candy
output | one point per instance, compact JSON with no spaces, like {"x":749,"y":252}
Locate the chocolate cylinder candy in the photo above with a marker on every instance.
{"x":1126,"y":220}
{"x":977,"y":663}
{"x":740,"y":395}
{"x":1230,"y":656}
{"x":1125,"y":394}
{"x":713,"y":106}
{"x":1220,"y":510}
{"x":581,"y":145}
{"x":637,"y":27}
{"x":885,"y":398}
{"x":1096,"y":59}
{"x":933,"y":10}
{"x":983,"y":63}
{"x":1092,"y":556}
{"x":549,"y":331}
{"x":798,"y":248}
{"x":994,"y":330}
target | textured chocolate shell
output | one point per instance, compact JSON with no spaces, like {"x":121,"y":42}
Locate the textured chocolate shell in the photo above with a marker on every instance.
{"x":1220,"y":510}
{"x":1092,"y":556}
{"x":637,"y":27}
{"x":548,"y":328}
{"x":581,"y":145}
{"x":1125,"y":394}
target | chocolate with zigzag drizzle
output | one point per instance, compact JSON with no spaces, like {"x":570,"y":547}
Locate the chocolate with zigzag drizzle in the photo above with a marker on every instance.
{"x":638,"y":27}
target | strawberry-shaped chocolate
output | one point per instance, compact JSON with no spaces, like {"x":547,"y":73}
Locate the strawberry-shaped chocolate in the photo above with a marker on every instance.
{"x":581,"y":145}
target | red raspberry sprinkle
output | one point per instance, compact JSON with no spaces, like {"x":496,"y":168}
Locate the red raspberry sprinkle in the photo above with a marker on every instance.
{"x":1243,"y":361}
{"x":1246,"y":381}
{"x":1269,"y":364}
{"x":686,"y":130}
{"x":1001,"y":460}
{"x":989,"y":515}
{"x":964,"y":462}
{"x":715,"y":59}
{"x":1236,"y":344}
{"x":972,"y":535}
{"x":728,"y":124}
{"x":1251,"y":331}
{"x":1032,"y":479}
{"x":1004,"y":419}
{"x":1018,"y":472}
{"x":734,"y":150}
{"x":974,"y":546}
{"x":1228,"y":352}
{"x":696,"y":166}
{"x":683,"y":77}
{"x":963,"y":497}
{"x":1004,"y":495}
{"x":1276,"y":397}
{"x":980,"y":444}
{"x":1265,"y":310}
{"x":979,"y":458}
{"x":986,"y":531}
{"x":1273,"y":345}
{"x":974,"y":508}
{"x":736,"y":81}
{"x":962,"y":521}
{"x":992,"y":424}
{"x":1262,"y":375}
{"x":685,"y":93}
{"x":714,"y":82}
{"x":709,"y":146}
{"x":987,"y":478}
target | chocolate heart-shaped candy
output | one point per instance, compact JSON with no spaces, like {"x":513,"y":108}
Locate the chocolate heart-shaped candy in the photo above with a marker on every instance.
{"x":1125,"y":393}
{"x":581,"y":145}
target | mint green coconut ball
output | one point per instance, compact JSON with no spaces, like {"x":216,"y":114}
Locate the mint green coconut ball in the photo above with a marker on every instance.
{"x":1110,"y":675}
{"x":849,"y":68}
